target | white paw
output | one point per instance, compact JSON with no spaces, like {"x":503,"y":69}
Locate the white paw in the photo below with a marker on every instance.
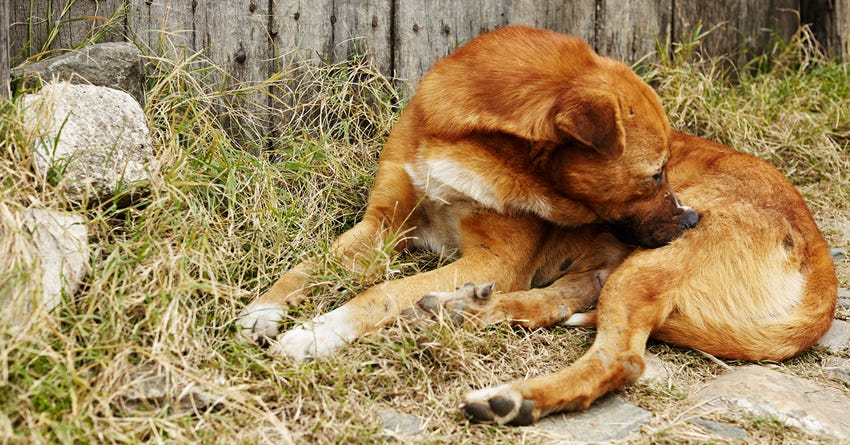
{"x":502,"y":405}
{"x":317,"y":338}
{"x":258,"y":322}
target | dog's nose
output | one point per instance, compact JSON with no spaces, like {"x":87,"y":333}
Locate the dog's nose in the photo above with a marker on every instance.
{"x":690,"y":218}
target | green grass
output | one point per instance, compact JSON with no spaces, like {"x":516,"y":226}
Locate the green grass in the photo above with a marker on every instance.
{"x":171,"y":271}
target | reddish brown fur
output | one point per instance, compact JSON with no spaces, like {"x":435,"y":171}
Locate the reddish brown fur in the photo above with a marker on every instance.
{"x":517,"y":152}
{"x":717,"y":288}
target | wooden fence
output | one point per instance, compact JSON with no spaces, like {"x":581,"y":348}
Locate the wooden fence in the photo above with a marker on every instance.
{"x":254,"y":38}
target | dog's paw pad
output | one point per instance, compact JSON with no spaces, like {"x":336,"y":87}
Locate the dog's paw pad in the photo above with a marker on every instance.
{"x":455,"y":305}
{"x":502,"y":405}
{"x":258,"y":323}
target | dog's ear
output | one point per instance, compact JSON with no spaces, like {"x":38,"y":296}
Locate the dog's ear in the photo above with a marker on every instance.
{"x":592,"y":117}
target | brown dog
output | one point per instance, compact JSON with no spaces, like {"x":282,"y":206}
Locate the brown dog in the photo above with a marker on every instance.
{"x":524,"y":152}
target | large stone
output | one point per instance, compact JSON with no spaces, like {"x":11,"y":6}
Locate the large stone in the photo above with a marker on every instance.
{"x":45,"y":256}
{"x":92,"y":140}
{"x":764,"y":393}
{"x":115,"y":65}
{"x":837,"y":338}
{"x":609,"y":418}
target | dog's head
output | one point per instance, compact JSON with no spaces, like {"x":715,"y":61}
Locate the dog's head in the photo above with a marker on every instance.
{"x":611,"y":154}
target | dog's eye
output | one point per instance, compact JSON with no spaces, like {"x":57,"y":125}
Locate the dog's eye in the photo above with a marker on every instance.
{"x":658,"y":177}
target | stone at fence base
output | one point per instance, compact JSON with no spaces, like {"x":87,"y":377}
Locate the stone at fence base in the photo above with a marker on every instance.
{"x":46,"y":256}
{"x":93,"y":141}
{"x":116,"y":65}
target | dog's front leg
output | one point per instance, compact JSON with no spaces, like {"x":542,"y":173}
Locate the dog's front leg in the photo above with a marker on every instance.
{"x":501,"y":259}
{"x":626,"y":315}
{"x":378,"y":306}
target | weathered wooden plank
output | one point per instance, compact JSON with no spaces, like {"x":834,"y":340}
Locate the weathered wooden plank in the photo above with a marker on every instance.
{"x":830,"y":23}
{"x":4,"y":48}
{"x":628,"y":30}
{"x":762,"y":21}
{"x":234,"y":36}
{"x":40,"y":27}
{"x":427,"y":30}
{"x":576,"y":17}
{"x":303,"y":28}
{"x":743,"y":27}
{"x":364,"y":27}
{"x":164,"y":26}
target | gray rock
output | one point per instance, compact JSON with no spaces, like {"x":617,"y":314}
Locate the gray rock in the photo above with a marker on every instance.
{"x":153,"y":387}
{"x":657,"y":371}
{"x":609,"y":418}
{"x":837,"y":254}
{"x":115,"y":65}
{"x":93,"y":140}
{"x":719,"y":430}
{"x":838,"y":369}
{"x":62,"y":242}
{"x":843,"y":298}
{"x":837,"y":337}
{"x":56,"y":243}
{"x":397,"y":425}
{"x":764,"y":393}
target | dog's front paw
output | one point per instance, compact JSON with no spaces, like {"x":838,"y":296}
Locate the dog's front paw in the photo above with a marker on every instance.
{"x":319,"y":337}
{"x":455,"y":306}
{"x":259,"y":323}
{"x":502,"y":405}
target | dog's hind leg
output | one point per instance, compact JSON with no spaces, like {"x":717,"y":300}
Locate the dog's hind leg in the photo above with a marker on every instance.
{"x":578,"y":260}
{"x":533,"y":308}
{"x":390,"y":205}
{"x":627,"y":312}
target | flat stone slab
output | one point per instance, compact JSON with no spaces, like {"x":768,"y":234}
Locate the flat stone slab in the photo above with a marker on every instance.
{"x":657,"y":371}
{"x":837,"y":337}
{"x":720,"y":430}
{"x":397,"y":424}
{"x":838,"y":369}
{"x":843,"y":298}
{"x":795,"y":402}
{"x":609,"y":418}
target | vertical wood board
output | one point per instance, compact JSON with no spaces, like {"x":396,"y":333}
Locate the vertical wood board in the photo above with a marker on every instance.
{"x":364,"y":27}
{"x":628,"y":30}
{"x":5,"y":60}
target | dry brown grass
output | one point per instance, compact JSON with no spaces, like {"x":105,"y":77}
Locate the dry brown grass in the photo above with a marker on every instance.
{"x":145,"y":353}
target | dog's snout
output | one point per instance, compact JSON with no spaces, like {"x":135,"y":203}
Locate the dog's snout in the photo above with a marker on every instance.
{"x":690,"y":218}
